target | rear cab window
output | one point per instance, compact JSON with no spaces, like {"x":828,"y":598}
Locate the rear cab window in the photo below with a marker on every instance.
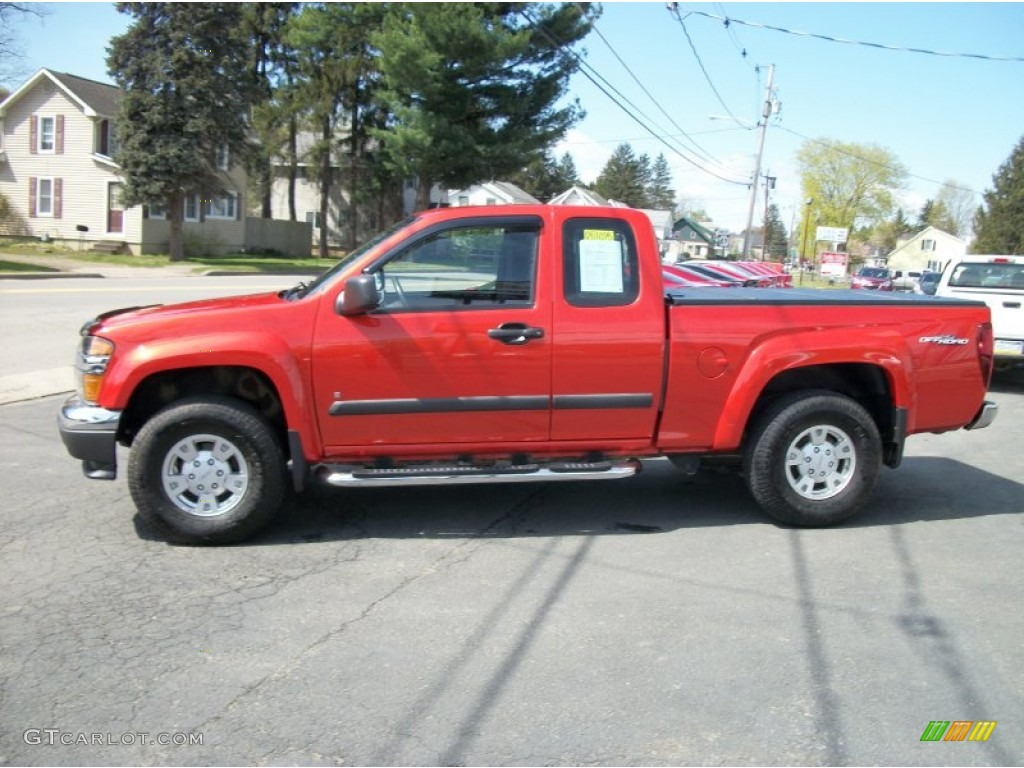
{"x":600,"y":263}
{"x":993,"y":275}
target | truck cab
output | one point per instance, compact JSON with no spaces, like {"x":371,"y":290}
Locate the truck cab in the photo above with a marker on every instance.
{"x":999,"y":282}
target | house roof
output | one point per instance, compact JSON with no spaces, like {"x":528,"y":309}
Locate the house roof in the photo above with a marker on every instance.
{"x":504,"y":189}
{"x":576,"y":195}
{"x":517,"y":194}
{"x":96,"y":99}
{"x":928,"y":231}
{"x":703,"y":232}
{"x":911,"y":244}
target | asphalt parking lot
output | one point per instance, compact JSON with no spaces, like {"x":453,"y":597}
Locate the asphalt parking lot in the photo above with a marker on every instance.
{"x":654,"y":621}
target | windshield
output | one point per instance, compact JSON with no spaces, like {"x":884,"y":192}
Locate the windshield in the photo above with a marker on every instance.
{"x":988,"y":275}
{"x":365,"y":248}
{"x":876,"y":272}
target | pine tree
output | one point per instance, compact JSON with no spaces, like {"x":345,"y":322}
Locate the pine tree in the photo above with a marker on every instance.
{"x":660,"y":194}
{"x":545,"y":177}
{"x":474,"y":88}
{"x":625,"y":177}
{"x":334,"y":94}
{"x":271,"y":64}
{"x":776,"y":242}
{"x":999,"y":222}
{"x":185,"y":93}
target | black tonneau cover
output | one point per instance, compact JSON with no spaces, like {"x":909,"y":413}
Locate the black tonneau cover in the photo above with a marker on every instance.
{"x":807,"y":296}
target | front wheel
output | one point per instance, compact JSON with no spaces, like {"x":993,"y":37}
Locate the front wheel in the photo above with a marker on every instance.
{"x":207,"y":471}
{"x":812,"y":458}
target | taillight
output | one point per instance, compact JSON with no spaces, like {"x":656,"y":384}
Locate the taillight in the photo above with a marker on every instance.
{"x":985,"y":357}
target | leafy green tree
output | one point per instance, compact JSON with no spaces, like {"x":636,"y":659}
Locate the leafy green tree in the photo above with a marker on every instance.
{"x":776,"y":242}
{"x":851,"y":184}
{"x":999,"y":222}
{"x":625,"y":178}
{"x":186,"y":89}
{"x":473,"y":88}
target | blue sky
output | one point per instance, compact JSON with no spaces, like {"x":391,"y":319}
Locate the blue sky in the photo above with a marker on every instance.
{"x":943,"y":117}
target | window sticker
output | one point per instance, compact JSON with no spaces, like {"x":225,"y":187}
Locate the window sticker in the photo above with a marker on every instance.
{"x":600,"y":263}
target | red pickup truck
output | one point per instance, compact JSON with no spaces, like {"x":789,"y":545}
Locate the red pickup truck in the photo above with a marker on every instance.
{"x":515,"y":344}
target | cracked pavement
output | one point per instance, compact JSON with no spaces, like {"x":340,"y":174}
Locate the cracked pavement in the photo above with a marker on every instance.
{"x":655,"y":621}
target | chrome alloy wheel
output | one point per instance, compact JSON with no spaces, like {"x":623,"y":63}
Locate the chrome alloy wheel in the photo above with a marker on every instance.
{"x":205,"y":475}
{"x":820,"y":462}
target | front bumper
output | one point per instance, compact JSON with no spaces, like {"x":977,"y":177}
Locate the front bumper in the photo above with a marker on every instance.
{"x":90,"y":434}
{"x":985,"y":416}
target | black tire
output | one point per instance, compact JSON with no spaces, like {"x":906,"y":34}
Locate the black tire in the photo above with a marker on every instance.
{"x":812,"y":458}
{"x":238,"y":465}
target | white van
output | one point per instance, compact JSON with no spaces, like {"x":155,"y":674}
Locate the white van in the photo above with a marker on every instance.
{"x":999,"y":282}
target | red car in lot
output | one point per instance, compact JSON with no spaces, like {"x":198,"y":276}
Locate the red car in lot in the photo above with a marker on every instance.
{"x":677,"y":273}
{"x":770,"y":269}
{"x":715,"y":271}
{"x":872,"y":279}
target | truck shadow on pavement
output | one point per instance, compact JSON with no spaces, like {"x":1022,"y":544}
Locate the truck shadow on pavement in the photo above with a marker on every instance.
{"x":659,"y":500}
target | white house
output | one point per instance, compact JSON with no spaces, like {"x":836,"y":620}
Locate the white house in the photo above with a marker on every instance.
{"x":931,"y":249}
{"x":491,"y":193}
{"x":57,"y":171}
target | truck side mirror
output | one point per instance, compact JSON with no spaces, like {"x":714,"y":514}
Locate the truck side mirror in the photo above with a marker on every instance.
{"x":360,"y":296}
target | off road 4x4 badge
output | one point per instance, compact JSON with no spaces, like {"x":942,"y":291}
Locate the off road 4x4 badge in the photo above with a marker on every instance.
{"x":947,"y":340}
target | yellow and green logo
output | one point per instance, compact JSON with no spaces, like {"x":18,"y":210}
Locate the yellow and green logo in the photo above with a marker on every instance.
{"x":958,"y":730}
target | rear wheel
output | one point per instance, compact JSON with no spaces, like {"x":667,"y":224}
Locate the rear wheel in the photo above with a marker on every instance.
{"x":812,"y":458}
{"x":207,"y":471}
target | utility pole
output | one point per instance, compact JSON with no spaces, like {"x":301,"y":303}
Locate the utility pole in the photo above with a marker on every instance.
{"x":769,"y":185}
{"x":766,"y":112}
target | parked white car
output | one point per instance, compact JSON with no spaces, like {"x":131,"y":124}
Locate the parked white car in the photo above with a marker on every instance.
{"x":904,"y":280}
{"x":999,"y":282}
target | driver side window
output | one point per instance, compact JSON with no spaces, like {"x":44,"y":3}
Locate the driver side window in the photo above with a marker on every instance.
{"x":465,"y":268}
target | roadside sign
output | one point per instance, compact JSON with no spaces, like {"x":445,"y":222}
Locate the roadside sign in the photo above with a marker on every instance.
{"x":832,"y":234}
{"x":833,"y":264}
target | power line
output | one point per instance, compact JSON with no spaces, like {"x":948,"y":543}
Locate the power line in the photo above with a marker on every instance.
{"x":727,"y":20}
{"x":586,"y":69}
{"x":674,"y":10}
{"x":682,"y":132}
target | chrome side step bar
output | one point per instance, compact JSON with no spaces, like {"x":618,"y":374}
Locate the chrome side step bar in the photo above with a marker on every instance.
{"x":346,"y":476}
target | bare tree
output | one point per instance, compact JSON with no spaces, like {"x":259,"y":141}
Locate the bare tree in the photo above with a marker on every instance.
{"x":960,"y":203}
{"x":11,"y":53}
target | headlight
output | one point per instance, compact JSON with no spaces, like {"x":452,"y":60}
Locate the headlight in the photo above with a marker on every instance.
{"x":93,"y":355}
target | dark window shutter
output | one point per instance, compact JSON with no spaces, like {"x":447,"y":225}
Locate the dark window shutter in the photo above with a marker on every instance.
{"x":59,"y":141}
{"x":238,"y":207}
{"x":58,"y":198}
{"x":32,"y":185}
{"x":33,"y":138}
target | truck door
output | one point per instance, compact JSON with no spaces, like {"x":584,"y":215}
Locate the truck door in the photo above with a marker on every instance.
{"x":458,"y":352}
{"x":609,"y":343}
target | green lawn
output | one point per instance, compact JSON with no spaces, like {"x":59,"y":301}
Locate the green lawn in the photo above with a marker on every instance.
{"x":17,"y":266}
{"x":241,"y":262}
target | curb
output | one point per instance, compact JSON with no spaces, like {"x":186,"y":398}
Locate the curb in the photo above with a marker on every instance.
{"x":46,"y":275}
